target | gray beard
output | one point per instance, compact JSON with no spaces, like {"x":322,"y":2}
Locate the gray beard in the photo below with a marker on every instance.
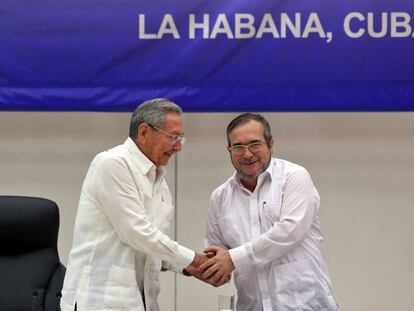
{"x":263,"y":167}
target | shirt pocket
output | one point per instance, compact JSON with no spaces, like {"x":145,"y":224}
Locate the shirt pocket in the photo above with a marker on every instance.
{"x":83,"y":285}
{"x":296,"y":285}
{"x":159,"y":213}
{"x":231,"y":231}
{"x":168,"y":211}
{"x":84,"y":278}
{"x":271,"y":212}
{"x":121,"y":288}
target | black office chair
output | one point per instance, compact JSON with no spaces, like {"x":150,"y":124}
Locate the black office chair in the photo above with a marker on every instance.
{"x":31,"y":275}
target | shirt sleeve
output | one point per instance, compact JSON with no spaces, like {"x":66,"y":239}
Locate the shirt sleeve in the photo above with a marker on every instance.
{"x":297,"y":213}
{"x":117,"y":195}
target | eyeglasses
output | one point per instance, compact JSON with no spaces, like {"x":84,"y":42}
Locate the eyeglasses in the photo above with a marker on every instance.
{"x":175,"y":138}
{"x":253,"y":147}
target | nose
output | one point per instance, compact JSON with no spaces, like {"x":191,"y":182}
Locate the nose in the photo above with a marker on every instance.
{"x":247,"y":153}
{"x":178,"y":146}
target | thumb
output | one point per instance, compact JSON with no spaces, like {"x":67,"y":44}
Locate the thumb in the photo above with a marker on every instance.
{"x":210,"y":254}
{"x":211,"y":249}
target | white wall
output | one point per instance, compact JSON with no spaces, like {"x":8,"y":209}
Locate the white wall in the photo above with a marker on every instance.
{"x":361,"y":163}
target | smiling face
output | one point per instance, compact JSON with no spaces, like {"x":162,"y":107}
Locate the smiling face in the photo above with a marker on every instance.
{"x":248,"y":164}
{"x":158,"y":146}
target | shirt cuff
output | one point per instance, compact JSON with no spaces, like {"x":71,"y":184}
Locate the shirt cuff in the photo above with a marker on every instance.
{"x":185,"y":257}
{"x":167,"y":266}
{"x":239,"y":256}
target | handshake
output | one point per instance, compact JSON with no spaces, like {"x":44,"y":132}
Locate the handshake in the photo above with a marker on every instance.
{"x":214,"y":267}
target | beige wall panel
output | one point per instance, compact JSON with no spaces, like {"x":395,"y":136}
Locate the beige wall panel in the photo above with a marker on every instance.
{"x":361,"y":163}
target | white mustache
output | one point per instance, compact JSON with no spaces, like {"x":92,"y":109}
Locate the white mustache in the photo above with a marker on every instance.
{"x":248,"y":161}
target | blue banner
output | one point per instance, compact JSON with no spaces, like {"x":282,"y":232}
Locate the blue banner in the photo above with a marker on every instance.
{"x":207,"y":55}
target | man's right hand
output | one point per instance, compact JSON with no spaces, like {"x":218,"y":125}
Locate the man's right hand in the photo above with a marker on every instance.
{"x":194,"y":271}
{"x":197,"y":261}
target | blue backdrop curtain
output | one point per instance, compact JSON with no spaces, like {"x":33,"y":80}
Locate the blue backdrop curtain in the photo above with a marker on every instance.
{"x":210,"y":55}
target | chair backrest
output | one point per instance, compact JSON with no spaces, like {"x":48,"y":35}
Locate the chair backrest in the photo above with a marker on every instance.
{"x":31,"y":275}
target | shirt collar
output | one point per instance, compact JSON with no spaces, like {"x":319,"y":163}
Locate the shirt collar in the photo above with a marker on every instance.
{"x":269,"y":169}
{"x":144,"y":163}
{"x":266,"y":174}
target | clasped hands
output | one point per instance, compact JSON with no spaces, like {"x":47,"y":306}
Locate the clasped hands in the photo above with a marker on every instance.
{"x":214,"y":267}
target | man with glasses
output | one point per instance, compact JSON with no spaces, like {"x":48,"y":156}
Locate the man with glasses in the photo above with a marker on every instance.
{"x":263,"y":223}
{"x":125,"y":207}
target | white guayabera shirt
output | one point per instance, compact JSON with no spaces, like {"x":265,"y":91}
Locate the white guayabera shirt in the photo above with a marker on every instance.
{"x":274,"y":239}
{"x":118,"y":240}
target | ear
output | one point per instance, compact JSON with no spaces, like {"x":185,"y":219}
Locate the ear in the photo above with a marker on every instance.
{"x":228,"y":148}
{"x":270,"y":143}
{"x":143,"y":130}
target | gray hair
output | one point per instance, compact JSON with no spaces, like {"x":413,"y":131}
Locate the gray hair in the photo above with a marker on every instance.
{"x":247,"y":117}
{"x":152,"y":112}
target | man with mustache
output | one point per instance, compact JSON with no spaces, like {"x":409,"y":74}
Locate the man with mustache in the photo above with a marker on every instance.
{"x":124,"y":209}
{"x":263,"y":223}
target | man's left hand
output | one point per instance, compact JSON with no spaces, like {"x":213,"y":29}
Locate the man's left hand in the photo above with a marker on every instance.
{"x":218,"y":268}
